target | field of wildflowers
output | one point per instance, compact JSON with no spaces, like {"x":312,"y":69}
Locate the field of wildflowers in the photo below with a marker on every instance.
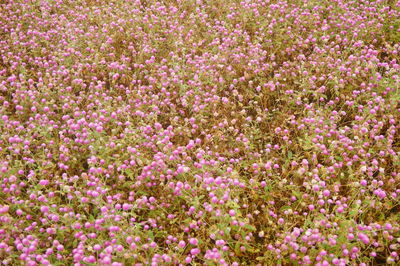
{"x":199,"y":132}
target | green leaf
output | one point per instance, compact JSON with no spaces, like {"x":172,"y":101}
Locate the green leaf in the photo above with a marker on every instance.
{"x":252,"y":250}
{"x":268,"y":188}
{"x":226,"y":231}
{"x":250,"y":227}
{"x":382,"y":217}
{"x":284,"y":208}
{"x":296,"y":194}
{"x":237,"y":249}
{"x":353,"y":212}
{"x":340,"y":159}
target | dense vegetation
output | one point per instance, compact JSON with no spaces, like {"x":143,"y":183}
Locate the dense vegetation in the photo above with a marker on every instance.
{"x":217,"y":132}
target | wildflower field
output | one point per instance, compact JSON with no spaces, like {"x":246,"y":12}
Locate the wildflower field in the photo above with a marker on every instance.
{"x":199,"y":132}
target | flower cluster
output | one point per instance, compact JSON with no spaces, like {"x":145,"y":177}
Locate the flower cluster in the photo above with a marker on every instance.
{"x":213,"y":132}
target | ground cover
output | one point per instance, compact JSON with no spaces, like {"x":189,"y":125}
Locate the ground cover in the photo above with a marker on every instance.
{"x":215,"y":132}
